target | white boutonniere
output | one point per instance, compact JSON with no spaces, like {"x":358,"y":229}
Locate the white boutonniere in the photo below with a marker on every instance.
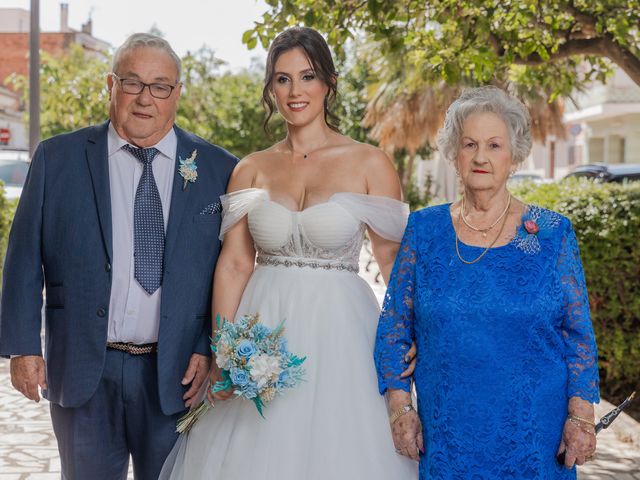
{"x":188,"y":169}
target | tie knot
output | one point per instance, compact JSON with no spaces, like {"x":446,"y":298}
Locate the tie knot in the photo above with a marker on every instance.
{"x":145,"y":155}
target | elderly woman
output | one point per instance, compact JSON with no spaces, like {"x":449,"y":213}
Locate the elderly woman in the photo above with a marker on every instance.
{"x":493,"y":293}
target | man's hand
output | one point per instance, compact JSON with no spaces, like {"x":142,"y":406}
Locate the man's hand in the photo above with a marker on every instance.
{"x":27,"y":373}
{"x":196,"y":373}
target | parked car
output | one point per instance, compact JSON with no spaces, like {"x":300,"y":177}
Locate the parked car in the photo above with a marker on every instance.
{"x":526,"y":176}
{"x":14,"y":165}
{"x":603,"y":172}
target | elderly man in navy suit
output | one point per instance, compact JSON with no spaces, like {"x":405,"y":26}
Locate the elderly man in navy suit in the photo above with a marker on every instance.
{"x":119,"y":223}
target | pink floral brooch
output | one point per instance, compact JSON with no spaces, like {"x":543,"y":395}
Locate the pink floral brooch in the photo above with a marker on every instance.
{"x":537,"y":224}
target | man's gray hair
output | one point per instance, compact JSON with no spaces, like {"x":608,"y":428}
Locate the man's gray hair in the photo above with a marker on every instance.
{"x":487,"y":99}
{"x":139,"y":40}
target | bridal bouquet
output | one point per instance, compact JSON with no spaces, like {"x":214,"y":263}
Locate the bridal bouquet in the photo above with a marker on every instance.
{"x":255,"y":362}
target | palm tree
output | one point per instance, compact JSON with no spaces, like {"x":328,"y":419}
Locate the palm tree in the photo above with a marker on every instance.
{"x":407,"y":122}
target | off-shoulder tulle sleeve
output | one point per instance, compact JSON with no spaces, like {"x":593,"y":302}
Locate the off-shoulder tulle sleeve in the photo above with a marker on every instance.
{"x":580,"y":346}
{"x":236,"y":205}
{"x":386,"y":216}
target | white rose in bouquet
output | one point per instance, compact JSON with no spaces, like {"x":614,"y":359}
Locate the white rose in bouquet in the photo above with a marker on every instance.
{"x":264,"y":369}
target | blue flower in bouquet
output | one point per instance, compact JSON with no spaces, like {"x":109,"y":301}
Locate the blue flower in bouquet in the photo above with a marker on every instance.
{"x":239,"y":377}
{"x":246,"y":349}
{"x":283,"y":346}
{"x":260,"y":331}
{"x":283,"y":378}
{"x":242,"y":324}
{"x":249,"y":390}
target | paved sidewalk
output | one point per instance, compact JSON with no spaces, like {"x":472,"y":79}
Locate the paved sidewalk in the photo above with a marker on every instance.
{"x":28,"y":449}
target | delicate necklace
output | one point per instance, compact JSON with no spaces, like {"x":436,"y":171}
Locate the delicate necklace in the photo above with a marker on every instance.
{"x":306,"y":155}
{"x":470,"y":262}
{"x":486,"y":230}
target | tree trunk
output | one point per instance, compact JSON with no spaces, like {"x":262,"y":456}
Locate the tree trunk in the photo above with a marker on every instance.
{"x":605,"y":46}
{"x":623,"y":58}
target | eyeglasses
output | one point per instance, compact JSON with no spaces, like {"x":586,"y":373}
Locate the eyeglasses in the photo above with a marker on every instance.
{"x":135,"y":87}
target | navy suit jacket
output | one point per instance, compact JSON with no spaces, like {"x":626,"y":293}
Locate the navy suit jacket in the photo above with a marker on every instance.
{"x":61,"y":239}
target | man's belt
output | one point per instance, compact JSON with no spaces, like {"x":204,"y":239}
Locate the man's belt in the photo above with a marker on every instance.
{"x":132,"y":348}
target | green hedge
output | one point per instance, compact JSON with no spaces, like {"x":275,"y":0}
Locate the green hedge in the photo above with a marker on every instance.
{"x":7,"y":209}
{"x":606,"y":219}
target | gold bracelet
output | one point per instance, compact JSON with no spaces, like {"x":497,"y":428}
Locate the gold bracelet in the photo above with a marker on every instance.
{"x":583,"y":420}
{"x":398,"y":413}
{"x":579,"y":424}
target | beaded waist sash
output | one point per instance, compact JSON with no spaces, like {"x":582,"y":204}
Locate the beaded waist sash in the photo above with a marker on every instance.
{"x":276,"y":261}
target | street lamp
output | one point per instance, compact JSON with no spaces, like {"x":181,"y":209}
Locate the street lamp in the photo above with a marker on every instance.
{"x":34,"y":77}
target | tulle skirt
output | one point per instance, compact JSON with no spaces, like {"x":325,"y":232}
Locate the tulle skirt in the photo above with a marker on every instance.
{"x":334,"y":426}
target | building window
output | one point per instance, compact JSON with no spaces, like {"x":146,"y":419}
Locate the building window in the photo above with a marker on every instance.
{"x":574,"y":156}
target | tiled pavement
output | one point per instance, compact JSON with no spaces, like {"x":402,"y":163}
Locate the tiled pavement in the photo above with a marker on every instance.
{"x":27,"y":445}
{"x":28,"y":450}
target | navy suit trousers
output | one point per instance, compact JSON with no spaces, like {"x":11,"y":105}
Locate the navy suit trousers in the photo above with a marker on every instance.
{"x":123,"y":418}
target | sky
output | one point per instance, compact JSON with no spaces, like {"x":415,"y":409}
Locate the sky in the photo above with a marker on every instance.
{"x":186,"y":24}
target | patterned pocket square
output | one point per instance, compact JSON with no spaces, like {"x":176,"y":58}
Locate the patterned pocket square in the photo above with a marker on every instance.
{"x":215,"y":207}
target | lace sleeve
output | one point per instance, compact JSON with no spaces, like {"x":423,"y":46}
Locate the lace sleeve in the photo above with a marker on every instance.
{"x":395,"y":327}
{"x":580,"y":345}
{"x":236,"y":205}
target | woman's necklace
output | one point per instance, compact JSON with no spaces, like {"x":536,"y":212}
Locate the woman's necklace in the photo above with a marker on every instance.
{"x":306,"y":155}
{"x":486,"y":230}
{"x":470,"y":262}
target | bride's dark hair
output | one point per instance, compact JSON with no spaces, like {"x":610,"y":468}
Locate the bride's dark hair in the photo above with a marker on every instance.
{"x":319,"y":56}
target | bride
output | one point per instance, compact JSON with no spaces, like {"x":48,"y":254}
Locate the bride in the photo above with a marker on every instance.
{"x":303,"y":206}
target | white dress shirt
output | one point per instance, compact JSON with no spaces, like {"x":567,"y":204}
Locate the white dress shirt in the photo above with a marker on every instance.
{"x":134,"y":315}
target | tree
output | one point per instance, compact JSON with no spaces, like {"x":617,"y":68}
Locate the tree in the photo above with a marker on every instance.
{"x":557,"y":45}
{"x":223,"y":108}
{"x":73,"y":91}
{"x":420,"y":54}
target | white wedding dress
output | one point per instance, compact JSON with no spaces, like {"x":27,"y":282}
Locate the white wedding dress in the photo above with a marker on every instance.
{"x":334,"y":426}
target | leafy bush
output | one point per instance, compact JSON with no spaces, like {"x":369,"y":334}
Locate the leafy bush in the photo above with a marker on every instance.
{"x":7,"y":209}
{"x":606,"y":219}
{"x":419,"y":196}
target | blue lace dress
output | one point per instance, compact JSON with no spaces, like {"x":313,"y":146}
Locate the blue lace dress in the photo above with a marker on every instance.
{"x":502,"y":345}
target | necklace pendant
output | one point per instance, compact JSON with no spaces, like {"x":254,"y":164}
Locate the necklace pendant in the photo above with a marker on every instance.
{"x":484,"y":234}
{"x":305,"y":156}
